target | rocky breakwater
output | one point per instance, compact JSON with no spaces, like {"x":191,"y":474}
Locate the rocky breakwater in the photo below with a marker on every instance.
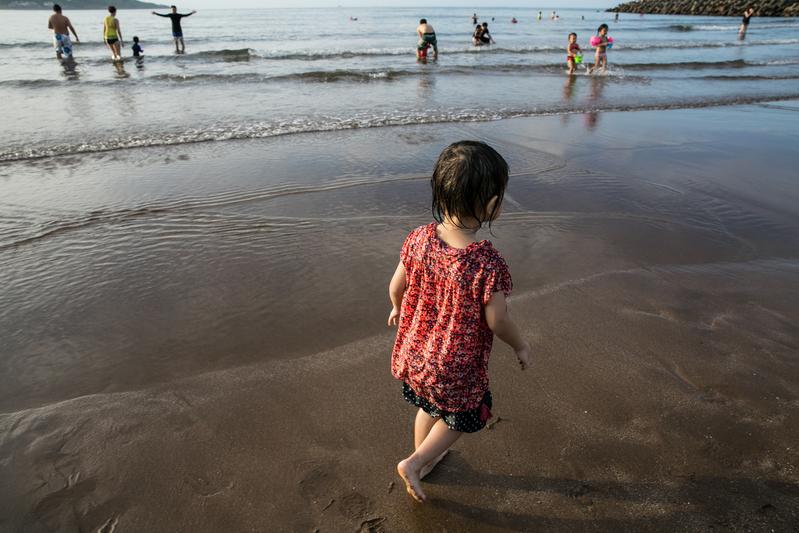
{"x":728,"y":8}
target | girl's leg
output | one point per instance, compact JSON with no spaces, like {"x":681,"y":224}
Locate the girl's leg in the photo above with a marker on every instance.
{"x":421,"y":427}
{"x":437,"y":442}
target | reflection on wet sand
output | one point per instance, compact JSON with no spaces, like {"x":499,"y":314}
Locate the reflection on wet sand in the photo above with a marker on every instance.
{"x":598,"y":84}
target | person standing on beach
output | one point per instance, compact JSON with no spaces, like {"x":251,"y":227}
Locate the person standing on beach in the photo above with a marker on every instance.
{"x":448,"y":297}
{"x":474,"y":18}
{"x":61,"y":27}
{"x":745,"y":22}
{"x":177,"y":30}
{"x":427,"y":37}
{"x":112,"y":35}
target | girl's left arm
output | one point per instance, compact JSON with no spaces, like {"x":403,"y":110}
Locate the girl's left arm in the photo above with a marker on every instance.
{"x":396,"y":290}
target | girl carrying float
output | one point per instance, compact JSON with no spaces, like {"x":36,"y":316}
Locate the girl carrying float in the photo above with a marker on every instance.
{"x":601,"y":42}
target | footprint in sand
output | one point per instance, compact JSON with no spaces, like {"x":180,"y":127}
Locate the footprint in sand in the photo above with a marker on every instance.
{"x":321,"y":485}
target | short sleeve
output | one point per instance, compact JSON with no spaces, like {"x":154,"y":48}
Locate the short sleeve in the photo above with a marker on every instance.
{"x":497,"y":280}
{"x":407,"y":249}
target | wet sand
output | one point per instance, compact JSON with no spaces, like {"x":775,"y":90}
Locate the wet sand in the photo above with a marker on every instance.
{"x":198,"y":343}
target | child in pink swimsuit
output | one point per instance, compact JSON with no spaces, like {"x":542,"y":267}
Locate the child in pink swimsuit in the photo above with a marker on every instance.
{"x":448,"y":298}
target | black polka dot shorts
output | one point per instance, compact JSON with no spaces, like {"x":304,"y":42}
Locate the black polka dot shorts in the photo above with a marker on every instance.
{"x":464,"y":421}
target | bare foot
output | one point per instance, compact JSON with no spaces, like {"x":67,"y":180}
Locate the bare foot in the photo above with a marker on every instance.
{"x":411,"y":479}
{"x":426,"y":469}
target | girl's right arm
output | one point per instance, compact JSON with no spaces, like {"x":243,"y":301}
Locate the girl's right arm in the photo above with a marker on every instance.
{"x":396,"y":290}
{"x":500,"y":322}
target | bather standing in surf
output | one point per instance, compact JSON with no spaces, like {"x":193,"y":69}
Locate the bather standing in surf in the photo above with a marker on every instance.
{"x":745,"y":23}
{"x":112,"y":34}
{"x":177,"y":30}
{"x":427,"y":37}
{"x":61,"y":27}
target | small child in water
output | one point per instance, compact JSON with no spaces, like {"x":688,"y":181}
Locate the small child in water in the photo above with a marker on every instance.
{"x":448,"y":297}
{"x":572,"y":50}
{"x":601,"y":56}
{"x":137,"y":49}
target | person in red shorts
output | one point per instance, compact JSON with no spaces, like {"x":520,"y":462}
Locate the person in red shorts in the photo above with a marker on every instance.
{"x":448,"y":298}
{"x":572,"y":51}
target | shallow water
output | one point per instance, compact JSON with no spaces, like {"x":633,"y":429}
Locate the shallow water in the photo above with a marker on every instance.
{"x":239,"y":79}
{"x":127,"y":268}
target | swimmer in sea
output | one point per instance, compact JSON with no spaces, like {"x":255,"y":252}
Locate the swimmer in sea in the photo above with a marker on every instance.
{"x":478,"y":32}
{"x":61,"y":27}
{"x":485,"y":36}
{"x":427,"y":37}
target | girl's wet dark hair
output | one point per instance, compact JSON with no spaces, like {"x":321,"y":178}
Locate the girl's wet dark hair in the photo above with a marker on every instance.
{"x":467,"y":176}
{"x":601,"y":27}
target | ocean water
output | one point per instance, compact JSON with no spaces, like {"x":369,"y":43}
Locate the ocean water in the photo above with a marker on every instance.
{"x":262,"y":73}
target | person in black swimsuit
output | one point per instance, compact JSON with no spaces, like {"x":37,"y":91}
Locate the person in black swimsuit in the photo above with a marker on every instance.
{"x":177,"y":31}
{"x":745,"y":22}
{"x":485,"y":36}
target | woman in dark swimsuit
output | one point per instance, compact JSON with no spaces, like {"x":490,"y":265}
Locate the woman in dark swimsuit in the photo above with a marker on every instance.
{"x":745,"y":22}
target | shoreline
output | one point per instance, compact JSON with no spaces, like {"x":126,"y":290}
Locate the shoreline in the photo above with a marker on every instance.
{"x":79,"y":150}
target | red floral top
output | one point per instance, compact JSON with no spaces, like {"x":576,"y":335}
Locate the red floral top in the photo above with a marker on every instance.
{"x":443,"y":340}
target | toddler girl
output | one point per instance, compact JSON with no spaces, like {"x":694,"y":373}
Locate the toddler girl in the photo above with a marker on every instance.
{"x":572,"y":51}
{"x":448,"y":295}
{"x":602,"y":44}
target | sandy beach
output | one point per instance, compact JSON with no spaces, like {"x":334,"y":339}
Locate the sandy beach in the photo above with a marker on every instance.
{"x":230,"y":370}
